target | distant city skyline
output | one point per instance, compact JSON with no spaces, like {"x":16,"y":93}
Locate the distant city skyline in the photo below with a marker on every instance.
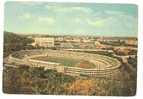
{"x":71,"y":18}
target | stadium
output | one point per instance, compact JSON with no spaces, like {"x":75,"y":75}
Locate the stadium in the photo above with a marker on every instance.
{"x":67,"y":62}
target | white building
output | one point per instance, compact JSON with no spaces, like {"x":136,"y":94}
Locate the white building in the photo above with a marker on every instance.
{"x":44,"y":41}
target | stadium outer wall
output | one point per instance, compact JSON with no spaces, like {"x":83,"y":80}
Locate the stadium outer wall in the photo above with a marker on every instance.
{"x":74,"y":71}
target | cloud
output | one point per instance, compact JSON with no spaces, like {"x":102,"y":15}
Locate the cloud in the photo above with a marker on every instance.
{"x":91,"y":21}
{"x":68,"y":9}
{"x":81,"y":9}
{"x":96,"y":23}
{"x":30,"y":4}
{"x":111,"y":12}
{"x":79,"y":18}
{"x":25,"y":16}
{"x":49,"y":20}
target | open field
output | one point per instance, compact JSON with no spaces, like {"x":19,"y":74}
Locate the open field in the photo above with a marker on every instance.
{"x":67,"y":61}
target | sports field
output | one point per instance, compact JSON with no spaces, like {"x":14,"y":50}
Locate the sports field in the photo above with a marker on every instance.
{"x":67,"y":61}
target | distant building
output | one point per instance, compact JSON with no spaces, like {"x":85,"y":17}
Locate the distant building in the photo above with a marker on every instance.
{"x":131,"y":42}
{"x":73,"y":39}
{"x":86,"y":40}
{"x":98,"y":45}
{"x":44,"y":42}
{"x":66,"y":45}
{"x":59,"y":38}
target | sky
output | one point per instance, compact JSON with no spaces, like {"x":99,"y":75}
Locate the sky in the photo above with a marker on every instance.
{"x":71,"y":18}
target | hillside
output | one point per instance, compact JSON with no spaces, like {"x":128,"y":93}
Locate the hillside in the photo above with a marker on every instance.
{"x":14,"y":42}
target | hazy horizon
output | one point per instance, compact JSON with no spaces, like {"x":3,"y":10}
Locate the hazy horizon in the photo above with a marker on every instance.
{"x":46,"y":34}
{"x":71,"y":19}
